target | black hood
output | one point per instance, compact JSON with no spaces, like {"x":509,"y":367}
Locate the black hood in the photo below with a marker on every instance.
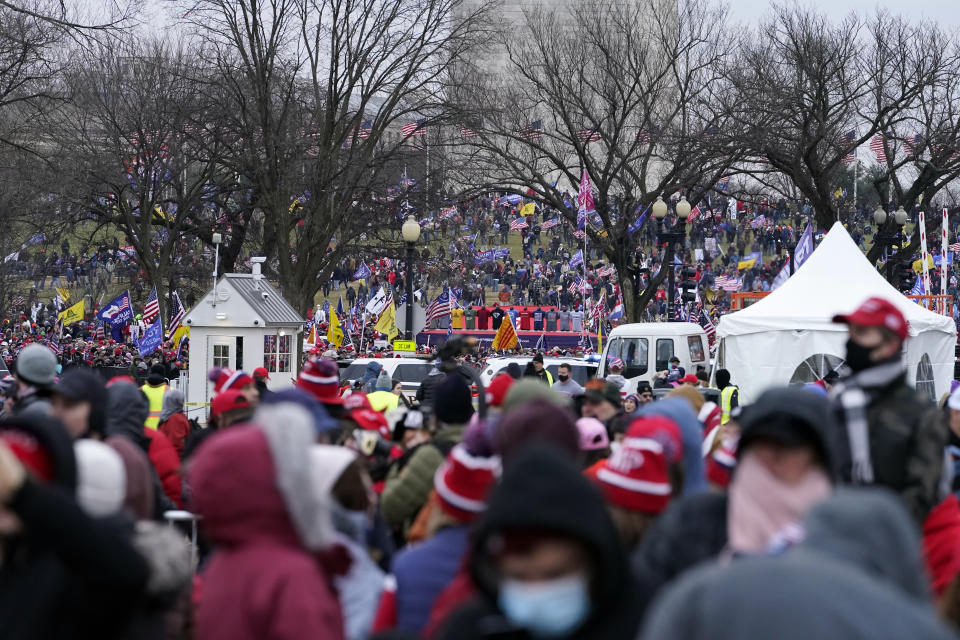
{"x":542,"y":490}
{"x":127,"y":411}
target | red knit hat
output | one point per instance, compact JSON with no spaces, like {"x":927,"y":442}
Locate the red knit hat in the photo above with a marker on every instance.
{"x":226,"y":379}
{"x":357,"y":400}
{"x":635,"y":476}
{"x":661,"y":429}
{"x":463,"y":482}
{"x":319,"y":378}
{"x":498,"y":389}
{"x":30,"y":453}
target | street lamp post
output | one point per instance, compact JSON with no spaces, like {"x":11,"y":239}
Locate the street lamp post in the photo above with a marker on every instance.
{"x":892,"y":240}
{"x":411,"y":233}
{"x":673,"y":239}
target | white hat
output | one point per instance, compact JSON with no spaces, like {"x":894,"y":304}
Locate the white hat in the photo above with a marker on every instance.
{"x":101,"y":478}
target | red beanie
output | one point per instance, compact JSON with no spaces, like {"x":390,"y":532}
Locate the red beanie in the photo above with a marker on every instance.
{"x":463,"y":483}
{"x":30,"y":453}
{"x":319,"y":378}
{"x":635,"y":476}
{"x":498,"y":389}
{"x":225,"y":379}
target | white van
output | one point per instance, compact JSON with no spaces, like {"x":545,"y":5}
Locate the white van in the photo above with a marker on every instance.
{"x":646,"y":348}
{"x":409,"y":371}
{"x":580,"y":370}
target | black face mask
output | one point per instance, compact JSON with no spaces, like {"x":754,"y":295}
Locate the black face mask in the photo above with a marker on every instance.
{"x":858,"y":356}
{"x":562,"y":378}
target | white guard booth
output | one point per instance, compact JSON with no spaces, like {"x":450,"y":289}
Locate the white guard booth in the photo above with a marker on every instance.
{"x":788,"y":337}
{"x":245,"y":324}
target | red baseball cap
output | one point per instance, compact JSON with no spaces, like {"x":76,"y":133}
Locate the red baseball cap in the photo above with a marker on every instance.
{"x":261,"y":372}
{"x":227,"y":401}
{"x":877,"y":312}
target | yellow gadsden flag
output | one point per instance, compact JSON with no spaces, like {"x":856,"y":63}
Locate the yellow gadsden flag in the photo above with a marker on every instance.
{"x":506,"y":337}
{"x":387,"y":322}
{"x":528,"y":209}
{"x":334,"y":332}
{"x":71,"y":314}
{"x":64,"y":293}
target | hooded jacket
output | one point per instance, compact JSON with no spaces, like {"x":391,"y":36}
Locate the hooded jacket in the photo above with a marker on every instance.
{"x":370,"y":376}
{"x":82,"y":584}
{"x":173,"y":422}
{"x":127,"y":413}
{"x":838,"y":584}
{"x":542,"y":490}
{"x":262,"y":582}
{"x":691,"y":430}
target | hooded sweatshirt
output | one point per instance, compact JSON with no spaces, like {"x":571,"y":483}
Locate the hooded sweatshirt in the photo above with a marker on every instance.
{"x":370,"y":376}
{"x":857,"y":576}
{"x":262,"y":582}
{"x":543,"y":490}
{"x":173,"y":422}
{"x":127,"y":414}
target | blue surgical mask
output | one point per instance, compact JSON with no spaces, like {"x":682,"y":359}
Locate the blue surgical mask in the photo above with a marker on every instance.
{"x":546,"y":609}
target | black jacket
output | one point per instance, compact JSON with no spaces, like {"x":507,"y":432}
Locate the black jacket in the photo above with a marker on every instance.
{"x":69,"y":576}
{"x":542,"y":490}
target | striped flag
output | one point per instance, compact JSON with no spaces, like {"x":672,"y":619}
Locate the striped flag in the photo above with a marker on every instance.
{"x":506,"y":336}
{"x":17,"y":301}
{"x":588,"y":135}
{"x":365,"y":128}
{"x":914,"y":144}
{"x":533,"y":131}
{"x":876,"y":145}
{"x":694,"y":214}
{"x":440,"y":307}
{"x":413,"y":129}
{"x":955,"y":247}
{"x":466,"y":132}
{"x":580,"y":234}
{"x":703,"y":318}
{"x":177,"y":313}
{"x":728,"y":283}
{"x":846,"y":139}
{"x":519,"y":223}
{"x":550,"y":224}
{"x":151,"y":310}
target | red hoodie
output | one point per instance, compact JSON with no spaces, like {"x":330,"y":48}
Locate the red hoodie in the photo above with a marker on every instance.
{"x":262,"y":583}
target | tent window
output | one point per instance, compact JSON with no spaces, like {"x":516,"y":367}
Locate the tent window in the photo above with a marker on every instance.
{"x":815,"y":367}
{"x":925,"y":383}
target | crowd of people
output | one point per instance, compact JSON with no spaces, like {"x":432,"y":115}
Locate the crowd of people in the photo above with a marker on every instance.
{"x":539,"y":509}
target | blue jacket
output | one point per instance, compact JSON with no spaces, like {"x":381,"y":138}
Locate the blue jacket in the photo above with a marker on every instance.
{"x":423,"y":571}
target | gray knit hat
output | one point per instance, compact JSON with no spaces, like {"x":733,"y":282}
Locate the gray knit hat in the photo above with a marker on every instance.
{"x":36,"y":365}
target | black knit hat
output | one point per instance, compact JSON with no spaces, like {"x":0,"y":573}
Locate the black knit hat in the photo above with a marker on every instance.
{"x":452,"y":402}
{"x":81,"y":384}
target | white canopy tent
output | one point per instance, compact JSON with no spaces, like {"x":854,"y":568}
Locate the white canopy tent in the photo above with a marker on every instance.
{"x":788,"y":336}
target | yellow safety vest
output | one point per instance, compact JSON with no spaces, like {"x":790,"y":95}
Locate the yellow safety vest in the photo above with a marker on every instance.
{"x":726,"y":399}
{"x":383,"y":400}
{"x":155,"y":397}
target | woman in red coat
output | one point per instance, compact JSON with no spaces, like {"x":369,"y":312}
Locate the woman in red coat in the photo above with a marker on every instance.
{"x":173,"y":422}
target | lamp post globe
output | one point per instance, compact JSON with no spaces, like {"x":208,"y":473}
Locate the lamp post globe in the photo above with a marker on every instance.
{"x":683,"y":208}
{"x":659,"y":209}
{"x":900,"y":216}
{"x":410,"y":230}
{"x":879,"y":216}
{"x":411,"y":233}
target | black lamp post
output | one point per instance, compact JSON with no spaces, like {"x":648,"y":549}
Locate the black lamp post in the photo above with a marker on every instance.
{"x":411,"y":233}
{"x":674,"y":239}
{"x":890,"y":241}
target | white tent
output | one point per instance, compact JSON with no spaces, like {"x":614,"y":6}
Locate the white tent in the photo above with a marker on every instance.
{"x":788,"y":336}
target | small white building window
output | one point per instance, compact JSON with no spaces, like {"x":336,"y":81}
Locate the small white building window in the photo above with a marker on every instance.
{"x":277,"y":353}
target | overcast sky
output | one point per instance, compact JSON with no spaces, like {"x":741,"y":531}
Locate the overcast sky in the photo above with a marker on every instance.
{"x":946,"y":12}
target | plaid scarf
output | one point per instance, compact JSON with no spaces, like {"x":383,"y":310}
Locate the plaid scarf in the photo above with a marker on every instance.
{"x":853,"y":395}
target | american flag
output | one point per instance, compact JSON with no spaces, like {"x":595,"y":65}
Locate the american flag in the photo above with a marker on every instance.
{"x":519,"y":223}
{"x":151,"y":310}
{"x":550,"y":224}
{"x":533,"y":131}
{"x":439,"y":308}
{"x":846,"y":139}
{"x":55,"y":346}
{"x":723,"y":184}
{"x":703,"y":318}
{"x":955,"y":246}
{"x":467,"y":132}
{"x":177,"y":313}
{"x":694,"y":214}
{"x":580,"y":235}
{"x":876,"y":145}
{"x":728,"y":283}
{"x":913,"y":144}
{"x":588,"y":135}
{"x":17,"y":301}
{"x":606,"y":271}
{"x":99,"y":333}
{"x":413,"y":129}
{"x":365,"y":128}
{"x":580,"y":285}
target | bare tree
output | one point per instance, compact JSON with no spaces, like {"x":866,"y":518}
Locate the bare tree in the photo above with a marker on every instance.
{"x":316,"y":92}
{"x":810,"y":92}
{"x":632,"y":101}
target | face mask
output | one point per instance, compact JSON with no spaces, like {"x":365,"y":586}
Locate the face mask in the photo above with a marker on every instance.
{"x":562,"y":378}
{"x":546,"y":609}
{"x":858,"y":356}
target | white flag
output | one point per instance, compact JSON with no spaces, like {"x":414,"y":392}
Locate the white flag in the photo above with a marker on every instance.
{"x":377,"y":302}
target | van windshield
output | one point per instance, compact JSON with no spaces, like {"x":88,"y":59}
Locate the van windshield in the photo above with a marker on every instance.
{"x":633,"y":351}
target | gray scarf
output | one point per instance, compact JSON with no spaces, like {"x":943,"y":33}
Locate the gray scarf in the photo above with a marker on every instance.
{"x":853,"y":396}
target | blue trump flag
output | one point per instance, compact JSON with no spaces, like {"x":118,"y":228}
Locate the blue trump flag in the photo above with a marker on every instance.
{"x":362,"y":272}
{"x":118,"y":311}
{"x":151,"y":340}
